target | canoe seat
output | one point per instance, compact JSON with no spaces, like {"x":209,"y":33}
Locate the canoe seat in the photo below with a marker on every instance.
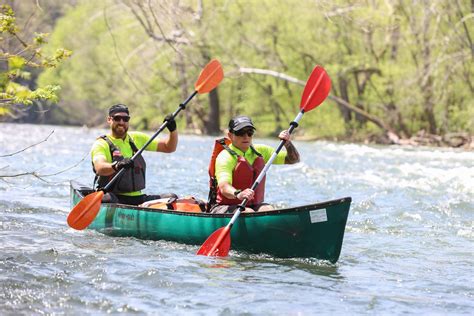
{"x":186,"y":204}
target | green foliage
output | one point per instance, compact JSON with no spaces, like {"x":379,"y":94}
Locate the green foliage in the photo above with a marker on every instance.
{"x":20,"y":62}
{"x":7,"y":20}
{"x":16,"y":62}
{"x":399,"y":62}
{"x":40,"y":38}
{"x":94,"y":77}
{"x":22,"y":95}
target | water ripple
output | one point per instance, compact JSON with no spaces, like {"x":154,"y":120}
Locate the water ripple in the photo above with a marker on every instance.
{"x":408,"y":245}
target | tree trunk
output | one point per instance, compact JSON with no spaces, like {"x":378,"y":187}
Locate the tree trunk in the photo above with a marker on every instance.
{"x":427,"y":77}
{"x":183,"y":83}
{"x":212,"y":124}
{"x":395,"y":116}
{"x":343,"y":89}
{"x":369,"y":117}
{"x":275,"y":106}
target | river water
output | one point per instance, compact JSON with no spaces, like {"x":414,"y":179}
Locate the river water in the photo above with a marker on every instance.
{"x":408,"y":246}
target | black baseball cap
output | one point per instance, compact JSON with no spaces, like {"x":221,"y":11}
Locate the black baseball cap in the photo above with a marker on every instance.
{"x":239,"y":122}
{"x":118,"y":108}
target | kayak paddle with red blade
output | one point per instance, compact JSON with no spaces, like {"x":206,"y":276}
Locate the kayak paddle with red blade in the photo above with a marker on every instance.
{"x":86,"y":210}
{"x":315,"y":92}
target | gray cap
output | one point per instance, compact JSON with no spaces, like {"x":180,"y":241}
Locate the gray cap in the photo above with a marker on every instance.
{"x":239,"y":122}
{"x":118,"y":108}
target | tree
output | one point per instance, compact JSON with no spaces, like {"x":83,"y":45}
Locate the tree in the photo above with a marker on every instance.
{"x":18,"y":57}
{"x":398,"y":67}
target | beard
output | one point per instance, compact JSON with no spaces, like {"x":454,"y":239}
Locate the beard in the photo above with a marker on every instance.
{"x":119,"y":131}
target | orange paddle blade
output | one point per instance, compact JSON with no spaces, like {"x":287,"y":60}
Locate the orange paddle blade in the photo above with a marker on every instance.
{"x":216,"y":245}
{"x":316,"y":90}
{"x":210,"y":77}
{"x":85,"y":211}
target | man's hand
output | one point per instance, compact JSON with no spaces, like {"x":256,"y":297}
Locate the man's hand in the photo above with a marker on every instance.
{"x":125,"y":163}
{"x":292,"y":155}
{"x":171,"y":123}
{"x":246,"y":194}
{"x":284,"y":135}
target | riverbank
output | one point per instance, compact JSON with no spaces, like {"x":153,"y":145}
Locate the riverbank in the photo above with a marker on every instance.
{"x":461,"y":140}
{"x":450,"y":140}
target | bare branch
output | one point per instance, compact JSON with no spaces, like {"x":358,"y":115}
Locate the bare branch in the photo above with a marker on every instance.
{"x":30,"y":173}
{"x":339,"y":11}
{"x":266,"y":72}
{"x":365,"y":114}
{"x":66,"y":169}
{"x":338,"y":100}
{"x":22,"y":150}
{"x":145,"y":23}
{"x":155,"y":19}
{"x":38,"y":5}
{"x":466,"y":29}
{"x":199,"y":11}
{"x":37,"y":175}
{"x":118,"y":56}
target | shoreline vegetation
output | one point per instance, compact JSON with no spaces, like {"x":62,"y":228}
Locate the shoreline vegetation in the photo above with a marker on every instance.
{"x":401,"y":72}
{"x":460,"y":140}
{"x":422,"y":139}
{"x":451,"y":140}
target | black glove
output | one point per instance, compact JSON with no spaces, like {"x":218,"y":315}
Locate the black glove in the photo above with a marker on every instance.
{"x":171,"y":123}
{"x":125,"y":163}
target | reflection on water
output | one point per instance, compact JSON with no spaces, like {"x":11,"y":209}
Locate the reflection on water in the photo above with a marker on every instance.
{"x":257,"y":262}
{"x":408,"y":245}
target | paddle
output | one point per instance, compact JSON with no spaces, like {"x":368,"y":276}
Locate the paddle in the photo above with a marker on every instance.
{"x":86,"y":210}
{"x":315,"y":92}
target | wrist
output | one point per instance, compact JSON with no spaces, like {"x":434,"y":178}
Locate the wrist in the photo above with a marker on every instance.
{"x":114,"y":165}
{"x":236,"y":193}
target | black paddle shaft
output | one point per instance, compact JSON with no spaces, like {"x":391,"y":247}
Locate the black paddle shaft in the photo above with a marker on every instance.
{"x":293,"y":125}
{"x":181,"y":107}
{"x":262,"y":174}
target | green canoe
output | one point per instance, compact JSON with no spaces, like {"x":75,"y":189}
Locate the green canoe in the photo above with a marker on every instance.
{"x":315,"y":230}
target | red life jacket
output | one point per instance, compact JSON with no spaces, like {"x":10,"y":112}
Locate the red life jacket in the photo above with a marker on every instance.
{"x":244,"y":175}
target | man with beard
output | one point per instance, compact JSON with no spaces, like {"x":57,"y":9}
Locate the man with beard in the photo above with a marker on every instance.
{"x":112,"y":152}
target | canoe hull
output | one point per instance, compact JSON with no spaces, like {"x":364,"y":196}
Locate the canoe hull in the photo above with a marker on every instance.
{"x":315,"y":230}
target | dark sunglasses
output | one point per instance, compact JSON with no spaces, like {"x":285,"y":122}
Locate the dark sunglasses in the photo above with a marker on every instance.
{"x":118,"y":118}
{"x":241,"y":133}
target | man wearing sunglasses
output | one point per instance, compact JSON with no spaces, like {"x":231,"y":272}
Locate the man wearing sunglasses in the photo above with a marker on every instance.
{"x":238,"y":166}
{"x":112,"y":152}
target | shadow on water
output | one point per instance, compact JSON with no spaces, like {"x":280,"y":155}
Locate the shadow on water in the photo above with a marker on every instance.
{"x":249,"y":262}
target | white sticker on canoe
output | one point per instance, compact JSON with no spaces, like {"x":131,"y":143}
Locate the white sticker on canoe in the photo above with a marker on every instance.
{"x":318,"y":216}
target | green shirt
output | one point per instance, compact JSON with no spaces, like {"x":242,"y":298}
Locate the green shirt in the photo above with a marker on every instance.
{"x":100,"y":148}
{"x":226,"y":162}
